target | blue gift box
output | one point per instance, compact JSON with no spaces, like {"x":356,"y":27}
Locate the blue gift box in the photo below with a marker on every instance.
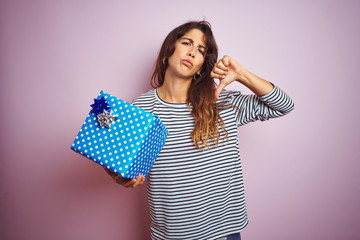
{"x":120,"y":136}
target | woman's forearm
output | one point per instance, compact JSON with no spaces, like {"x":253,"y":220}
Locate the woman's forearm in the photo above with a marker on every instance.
{"x":256,"y":84}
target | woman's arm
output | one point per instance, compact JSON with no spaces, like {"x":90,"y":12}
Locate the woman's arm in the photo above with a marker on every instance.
{"x":268,"y":102}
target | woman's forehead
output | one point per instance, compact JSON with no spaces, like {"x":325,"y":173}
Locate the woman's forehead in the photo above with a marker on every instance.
{"x":196,"y":35}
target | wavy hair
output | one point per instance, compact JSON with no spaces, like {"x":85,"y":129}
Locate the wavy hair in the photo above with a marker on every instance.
{"x":201,"y":94}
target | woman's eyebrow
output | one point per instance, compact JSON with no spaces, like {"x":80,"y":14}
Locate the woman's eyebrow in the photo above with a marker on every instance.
{"x":192,"y":41}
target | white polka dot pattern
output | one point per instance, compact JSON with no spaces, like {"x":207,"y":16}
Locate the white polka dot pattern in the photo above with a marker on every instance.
{"x":130,"y":146}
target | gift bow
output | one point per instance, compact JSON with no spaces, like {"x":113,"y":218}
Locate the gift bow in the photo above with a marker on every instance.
{"x":100,"y":105}
{"x":106,"y":118}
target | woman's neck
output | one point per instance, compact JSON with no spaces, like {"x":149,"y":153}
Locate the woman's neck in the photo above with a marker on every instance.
{"x":174,"y":89}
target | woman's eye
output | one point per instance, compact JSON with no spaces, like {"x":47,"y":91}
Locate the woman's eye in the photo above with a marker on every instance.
{"x":201,"y":51}
{"x":187,"y":43}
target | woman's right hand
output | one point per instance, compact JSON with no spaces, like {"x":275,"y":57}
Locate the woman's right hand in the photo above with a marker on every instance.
{"x":126,"y":182}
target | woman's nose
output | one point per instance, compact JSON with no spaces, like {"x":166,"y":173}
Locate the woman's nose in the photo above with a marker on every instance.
{"x":191,"y":53}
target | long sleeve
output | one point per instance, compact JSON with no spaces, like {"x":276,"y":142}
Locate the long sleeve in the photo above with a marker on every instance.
{"x":249,"y":108}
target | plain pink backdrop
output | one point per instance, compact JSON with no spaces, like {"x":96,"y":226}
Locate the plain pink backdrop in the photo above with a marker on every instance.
{"x":301,"y":171}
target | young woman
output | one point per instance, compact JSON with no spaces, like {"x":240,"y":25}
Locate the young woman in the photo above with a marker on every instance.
{"x":195,"y":187}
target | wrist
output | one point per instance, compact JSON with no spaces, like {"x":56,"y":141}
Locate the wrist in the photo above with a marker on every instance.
{"x":244,"y":76}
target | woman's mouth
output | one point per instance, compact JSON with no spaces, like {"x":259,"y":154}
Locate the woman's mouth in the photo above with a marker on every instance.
{"x":187,"y":63}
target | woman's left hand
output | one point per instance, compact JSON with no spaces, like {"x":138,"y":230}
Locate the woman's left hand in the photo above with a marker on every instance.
{"x":226,"y":70}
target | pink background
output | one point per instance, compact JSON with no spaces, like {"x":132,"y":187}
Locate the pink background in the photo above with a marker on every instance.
{"x":301,"y":171}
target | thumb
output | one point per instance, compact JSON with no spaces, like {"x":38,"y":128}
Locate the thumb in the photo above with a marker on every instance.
{"x":218,"y":90}
{"x":226,"y":60}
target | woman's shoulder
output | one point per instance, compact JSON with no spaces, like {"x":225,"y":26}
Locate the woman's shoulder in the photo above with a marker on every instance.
{"x":145,"y":96}
{"x":145,"y":100}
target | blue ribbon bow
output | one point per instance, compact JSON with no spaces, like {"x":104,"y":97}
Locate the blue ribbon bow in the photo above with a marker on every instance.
{"x":100,"y":105}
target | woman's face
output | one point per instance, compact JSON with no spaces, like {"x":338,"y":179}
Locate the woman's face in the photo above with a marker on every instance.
{"x":189,"y":54}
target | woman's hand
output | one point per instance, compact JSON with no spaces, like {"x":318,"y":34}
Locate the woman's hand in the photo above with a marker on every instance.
{"x":133,"y":183}
{"x":226,"y":70}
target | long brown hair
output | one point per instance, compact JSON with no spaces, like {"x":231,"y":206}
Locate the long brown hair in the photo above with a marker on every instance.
{"x":201,"y":94}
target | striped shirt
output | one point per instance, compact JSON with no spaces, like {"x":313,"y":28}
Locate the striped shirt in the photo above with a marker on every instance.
{"x":199,"y":194}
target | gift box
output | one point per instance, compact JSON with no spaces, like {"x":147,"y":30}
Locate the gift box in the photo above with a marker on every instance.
{"x":120,"y":136}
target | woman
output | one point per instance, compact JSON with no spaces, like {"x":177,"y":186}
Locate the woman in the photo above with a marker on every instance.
{"x":196,"y":187}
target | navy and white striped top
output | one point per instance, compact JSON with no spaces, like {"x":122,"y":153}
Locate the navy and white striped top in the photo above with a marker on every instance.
{"x":199,"y":194}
